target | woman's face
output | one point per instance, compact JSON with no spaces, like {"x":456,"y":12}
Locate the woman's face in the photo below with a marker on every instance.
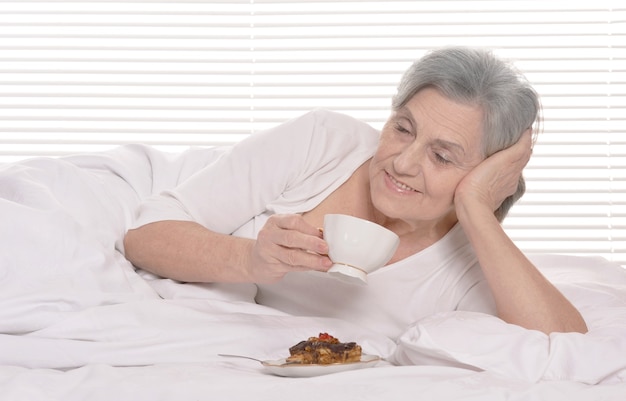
{"x":425,"y":150}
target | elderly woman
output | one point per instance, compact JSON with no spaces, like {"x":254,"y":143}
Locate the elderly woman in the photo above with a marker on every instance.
{"x":441,"y":174}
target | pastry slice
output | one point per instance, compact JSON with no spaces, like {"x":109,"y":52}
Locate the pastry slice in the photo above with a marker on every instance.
{"x":324,"y":349}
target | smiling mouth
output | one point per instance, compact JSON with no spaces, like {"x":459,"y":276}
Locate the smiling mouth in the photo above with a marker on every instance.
{"x":400,"y":185}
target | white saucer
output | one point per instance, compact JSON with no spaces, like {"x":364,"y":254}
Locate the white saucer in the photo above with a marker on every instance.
{"x":348,"y":274}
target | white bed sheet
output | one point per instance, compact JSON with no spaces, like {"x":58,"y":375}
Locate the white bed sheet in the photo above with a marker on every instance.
{"x":78,"y":322}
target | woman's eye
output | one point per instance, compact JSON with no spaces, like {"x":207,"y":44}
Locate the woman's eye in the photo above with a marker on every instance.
{"x":401,"y":129}
{"x":441,"y":158}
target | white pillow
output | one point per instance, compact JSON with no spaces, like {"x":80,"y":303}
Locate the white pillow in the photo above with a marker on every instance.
{"x":475,"y":341}
{"x":483,"y":342}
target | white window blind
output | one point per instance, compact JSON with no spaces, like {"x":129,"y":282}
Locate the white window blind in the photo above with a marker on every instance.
{"x":79,"y":76}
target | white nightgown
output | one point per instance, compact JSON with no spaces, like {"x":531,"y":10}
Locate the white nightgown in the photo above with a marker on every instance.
{"x":291,"y":169}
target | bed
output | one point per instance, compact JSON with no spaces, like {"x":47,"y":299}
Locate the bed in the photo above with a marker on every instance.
{"x":78,"y":322}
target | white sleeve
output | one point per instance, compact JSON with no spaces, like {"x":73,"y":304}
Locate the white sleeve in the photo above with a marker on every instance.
{"x":258,"y":170}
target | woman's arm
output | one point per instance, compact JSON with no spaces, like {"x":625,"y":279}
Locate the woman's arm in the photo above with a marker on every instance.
{"x":523,"y":296}
{"x":187,"y":251}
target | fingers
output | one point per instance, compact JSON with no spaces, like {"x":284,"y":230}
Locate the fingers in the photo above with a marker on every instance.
{"x":294,"y":232}
{"x":299,"y":260}
{"x":496,"y":177}
{"x":524,"y":146}
{"x":288,"y":243}
{"x":512,"y":160}
{"x":510,"y":165}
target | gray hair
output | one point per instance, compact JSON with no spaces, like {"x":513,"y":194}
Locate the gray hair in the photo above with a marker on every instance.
{"x":475,"y":76}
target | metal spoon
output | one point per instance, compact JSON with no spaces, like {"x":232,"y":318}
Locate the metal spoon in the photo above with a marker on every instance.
{"x":255,"y":359}
{"x":240,"y":356}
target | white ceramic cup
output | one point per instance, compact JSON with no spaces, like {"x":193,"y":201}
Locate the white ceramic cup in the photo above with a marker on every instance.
{"x":357,"y":247}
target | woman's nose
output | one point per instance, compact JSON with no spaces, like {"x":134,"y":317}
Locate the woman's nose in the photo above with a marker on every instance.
{"x":409,"y":161}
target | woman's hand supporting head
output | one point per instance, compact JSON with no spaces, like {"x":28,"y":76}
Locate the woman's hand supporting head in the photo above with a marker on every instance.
{"x":496,"y":178}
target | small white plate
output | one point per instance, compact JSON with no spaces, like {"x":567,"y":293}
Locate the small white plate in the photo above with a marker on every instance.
{"x":348,"y":274}
{"x":281,"y":368}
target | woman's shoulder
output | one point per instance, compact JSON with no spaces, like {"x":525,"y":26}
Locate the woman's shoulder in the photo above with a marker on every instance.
{"x":342,"y":132}
{"x":318,"y":123}
{"x":340,"y":121}
{"x":316,"y":136}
